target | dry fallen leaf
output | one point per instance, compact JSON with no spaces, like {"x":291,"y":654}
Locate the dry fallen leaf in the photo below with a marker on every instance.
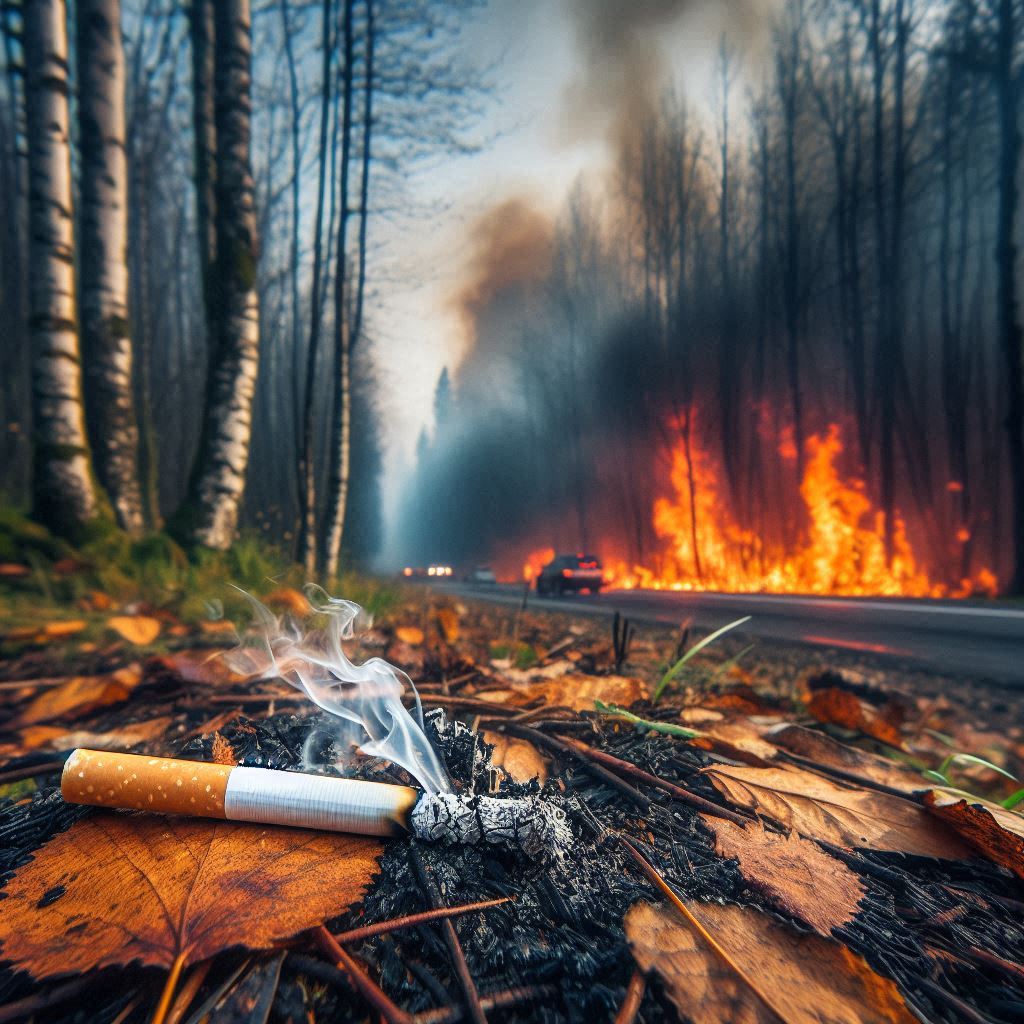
{"x":816,"y":746}
{"x":517,"y":757}
{"x":572,"y":691}
{"x":411,"y":635}
{"x":287,"y":599}
{"x":993,"y":831}
{"x":199,"y":667}
{"x":53,"y":737}
{"x":217,"y":627}
{"x":738,"y":740}
{"x":80,"y":695}
{"x":161,"y":891}
{"x":136,"y":629}
{"x":838,"y":814}
{"x":14,"y":571}
{"x":836,"y":706}
{"x":55,"y":630}
{"x":792,"y":873}
{"x":448,"y":623}
{"x":799,"y":979}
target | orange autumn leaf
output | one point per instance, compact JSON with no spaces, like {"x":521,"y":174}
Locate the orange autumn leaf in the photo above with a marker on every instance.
{"x":842,"y":815}
{"x":122,"y":889}
{"x":80,"y":695}
{"x":411,"y":635}
{"x":52,"y":737}
{"x":56,"y":630}
{"x":287,"y":599}
{"x":448,"y":623}
{"x":794,"y":874}
{"x":824,"y":750}
{"x":572,"y":691}
{"x":992,"y":830}
{"x":835,"y":706}
{"x":517,"y":757}
{"x":217,"y":627}
{"x":199,"y":667}
{"x":762,"y":973}
{"x":136,"y":629}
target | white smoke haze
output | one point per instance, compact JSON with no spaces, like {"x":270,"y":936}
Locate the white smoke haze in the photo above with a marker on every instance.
{"x":365,"y":700}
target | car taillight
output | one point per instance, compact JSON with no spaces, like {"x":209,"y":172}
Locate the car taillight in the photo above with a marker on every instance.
{"x":567,"y":573}
{"x":588,"y":565}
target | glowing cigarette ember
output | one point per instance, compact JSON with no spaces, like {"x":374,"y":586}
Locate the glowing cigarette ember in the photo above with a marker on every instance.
{"x":172,"y":786}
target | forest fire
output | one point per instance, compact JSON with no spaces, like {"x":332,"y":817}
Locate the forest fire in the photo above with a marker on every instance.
{"x":535,"y":561}
{"x":840,"y":547}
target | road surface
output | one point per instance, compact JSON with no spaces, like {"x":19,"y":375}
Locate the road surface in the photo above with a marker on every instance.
{"x":970,"y":639}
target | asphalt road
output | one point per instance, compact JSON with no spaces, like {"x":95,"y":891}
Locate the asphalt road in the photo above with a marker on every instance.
{"x":981,"y":641}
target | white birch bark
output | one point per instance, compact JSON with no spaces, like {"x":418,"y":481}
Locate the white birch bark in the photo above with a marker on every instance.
{"x":106,"y":340}
{"x":341,"y":423}
{"x":209,"y":516}
{"x":65,"y":495}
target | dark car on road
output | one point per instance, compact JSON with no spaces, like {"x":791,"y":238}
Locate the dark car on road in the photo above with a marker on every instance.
{"x":570,"y":573}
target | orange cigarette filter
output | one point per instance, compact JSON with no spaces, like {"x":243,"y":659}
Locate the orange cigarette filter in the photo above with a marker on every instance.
{"x":141,"y":783}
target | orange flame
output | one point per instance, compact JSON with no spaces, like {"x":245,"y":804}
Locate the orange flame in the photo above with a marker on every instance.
{"x":841,"y":549}
{"x":535,"y":561}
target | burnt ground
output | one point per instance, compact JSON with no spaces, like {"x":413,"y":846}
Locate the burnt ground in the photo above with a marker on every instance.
{"x":557,"y":951}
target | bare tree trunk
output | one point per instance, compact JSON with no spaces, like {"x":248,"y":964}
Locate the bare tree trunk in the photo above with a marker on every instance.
{"x":201,"y":28}
{"x":307,"y":550}
{"x":1010,"y":337}
{"x":66,"y":497}
{"x":209,"y":515}
{"x":788,"y":64}
{"x":341,"y":423}
{"x":106,"y":340}
{"x":15,"y":451}
{"x":729,"y":362}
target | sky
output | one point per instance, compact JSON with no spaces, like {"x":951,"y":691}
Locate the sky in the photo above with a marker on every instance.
{"x":545,"y":123}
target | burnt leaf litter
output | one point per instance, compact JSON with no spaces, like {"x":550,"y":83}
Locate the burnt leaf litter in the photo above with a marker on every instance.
{"x":949,"y":933}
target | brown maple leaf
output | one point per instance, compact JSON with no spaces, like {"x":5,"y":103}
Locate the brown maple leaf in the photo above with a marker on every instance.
{"x":119,"y":889}
{"x":758,"y":971}
{"x":794,"y":874}
{"x":844,"y":815}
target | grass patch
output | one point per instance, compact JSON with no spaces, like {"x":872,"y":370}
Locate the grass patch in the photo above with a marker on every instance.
{"x":154,"y":571}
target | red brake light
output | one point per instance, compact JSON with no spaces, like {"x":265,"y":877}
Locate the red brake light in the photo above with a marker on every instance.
{"x":567,"y":573}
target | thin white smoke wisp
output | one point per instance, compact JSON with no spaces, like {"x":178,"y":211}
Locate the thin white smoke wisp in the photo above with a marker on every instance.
{"x":366,"y":698}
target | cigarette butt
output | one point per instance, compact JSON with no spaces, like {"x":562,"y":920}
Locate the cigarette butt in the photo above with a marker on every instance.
{"x":262,"y":795}
{"x":141,"y":783}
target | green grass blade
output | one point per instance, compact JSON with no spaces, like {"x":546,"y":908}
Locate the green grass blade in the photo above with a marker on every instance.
{"x":1015,"y":798}
{"x":971,"y":759}
{"x":695,"y":649}
{"x":667,"y":728}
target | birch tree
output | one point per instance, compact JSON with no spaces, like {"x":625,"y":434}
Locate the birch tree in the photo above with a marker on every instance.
{"x":209,"y":515}
{"x":65,"y":495}
{"x":341,"y":423}
{"x":106,"y":340}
